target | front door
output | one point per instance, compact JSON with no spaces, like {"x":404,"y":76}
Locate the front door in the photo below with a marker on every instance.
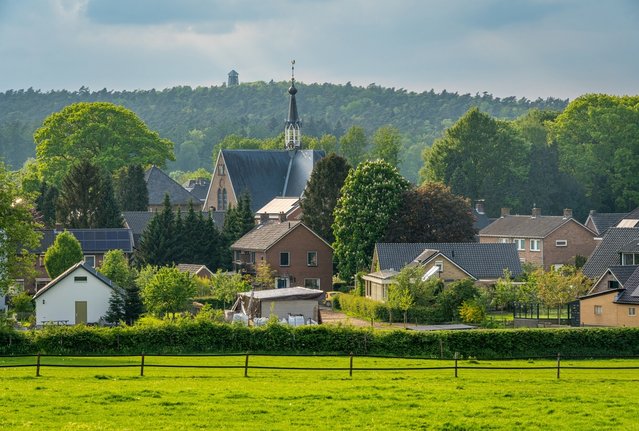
{"x":80,"y":312}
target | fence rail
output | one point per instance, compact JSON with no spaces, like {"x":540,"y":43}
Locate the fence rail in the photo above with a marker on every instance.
{"x":142,"y":363}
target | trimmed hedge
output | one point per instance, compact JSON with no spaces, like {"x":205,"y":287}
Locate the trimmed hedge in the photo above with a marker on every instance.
{"x":191,"y":336}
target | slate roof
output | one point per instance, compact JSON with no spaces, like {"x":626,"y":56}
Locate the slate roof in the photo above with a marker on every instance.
{"x":482,"y":261}
{"x":630,"y":294}
{"x":159,"y":183}
{"x":606,"y":254}
{"x":604,"y":221}
{"x":481,"y":220}
{"x":92,"y":240}
{"x":66,"y":273}
{"x":623,"y":273}
{"x":198,"y":188}
{"x":138,"y":220}
{"x":262,"y":173}
{"x":524,"y":226}
{"x":264,"y":235}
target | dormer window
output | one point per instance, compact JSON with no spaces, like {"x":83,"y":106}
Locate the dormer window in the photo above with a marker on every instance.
{"x":630,"y":258}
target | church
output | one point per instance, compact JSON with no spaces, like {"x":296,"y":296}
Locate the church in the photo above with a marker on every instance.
{"x":264,"y":174}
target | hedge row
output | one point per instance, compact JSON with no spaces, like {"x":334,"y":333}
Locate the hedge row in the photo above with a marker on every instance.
{"x":364,"y":308}
{"x":209,"y":337}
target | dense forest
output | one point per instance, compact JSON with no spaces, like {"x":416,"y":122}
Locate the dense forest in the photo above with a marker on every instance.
{"x":197,"y":119}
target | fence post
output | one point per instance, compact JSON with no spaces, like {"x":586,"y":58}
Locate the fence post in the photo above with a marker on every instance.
{"x":456,"y":358}
{"x":441,"y":349}
{"x":558,"y":364}
{"x":350,"y":371}
{"x":38,"y":366}
{"x":246,"y":365}
{"x":142,"y":366}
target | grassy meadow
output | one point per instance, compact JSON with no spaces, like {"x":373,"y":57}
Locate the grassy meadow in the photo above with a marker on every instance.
{"x":223,"y":399}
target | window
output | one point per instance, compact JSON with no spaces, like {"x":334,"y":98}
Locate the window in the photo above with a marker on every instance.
{"x":41,"y":282}
{"x":613,"y":284}
{"x":237,"y":256}
{"x":632,"y":311}
{"x":598,"y":310}
{"x":561,"y":243}
{"x":311,"y":258}
{"x":521,"y":244}
{"x":440,"y":265}
{"x":252,"y":257}
{"x":630,"y":259}
{"x":222,"y":199}
{"x":503,"y":240}
{"x":535,"y":245}
{"x":313,"y":283}
{"x":80,"y":279}
{"x":90,"y":260}
{"x":285,"y":258}
{"x":522,"y":260}
{"x":220,"y":170}
{"x":281,"y":282}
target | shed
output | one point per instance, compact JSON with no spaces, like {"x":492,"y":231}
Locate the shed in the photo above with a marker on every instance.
{"x":281,"y":302}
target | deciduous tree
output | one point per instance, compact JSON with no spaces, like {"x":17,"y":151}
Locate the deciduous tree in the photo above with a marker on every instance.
{"x":169,"y":291}
{"x":65,"y":252}
{"x":387,"y":143}
{"x":353,"y":145}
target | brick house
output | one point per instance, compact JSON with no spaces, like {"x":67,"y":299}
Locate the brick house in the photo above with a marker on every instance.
{"x":296,"y":254}
{"x":541,"y":240}
{"x":613,"y":300}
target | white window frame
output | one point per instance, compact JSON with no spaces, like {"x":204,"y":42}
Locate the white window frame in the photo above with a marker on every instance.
{"x":537,"y":243}
{"x":632,"y":311}
{"x":318,"y":283}
{"x":92,"y":256}
{"x":598,"y":310}
{"x":521,"y":244}
{"x":561,"y":243}
{"x":308,"y":258}
{"x":288,"y":258}
{"x":440,"y":264}
{"x":503,"y":241}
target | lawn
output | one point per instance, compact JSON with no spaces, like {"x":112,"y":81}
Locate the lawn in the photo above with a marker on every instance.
{"x":186,"y":399}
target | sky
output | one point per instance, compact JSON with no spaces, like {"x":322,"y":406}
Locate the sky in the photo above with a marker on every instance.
{"x":522,"y":48}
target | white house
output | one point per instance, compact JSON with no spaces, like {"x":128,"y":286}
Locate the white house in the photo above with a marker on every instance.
{"x":78,"y":295}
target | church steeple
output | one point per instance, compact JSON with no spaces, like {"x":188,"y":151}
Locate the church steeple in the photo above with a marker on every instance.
{"x":293,"y":125}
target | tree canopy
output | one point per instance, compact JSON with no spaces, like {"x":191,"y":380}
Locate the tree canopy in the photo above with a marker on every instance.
{"x":18,"y":232}
{"x":108,"y":135}
{"x":369,"y":199}
{"x":168,"y":291}
{"x":65,"y":252}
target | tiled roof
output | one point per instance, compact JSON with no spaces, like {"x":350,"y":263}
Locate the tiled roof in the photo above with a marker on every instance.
{"x":524,"y":226}
{"x":630,"y":294}
{"x":93,"y":240}
{"x":481,"y":220}
{"x":604,"y":221}
{"x":192,"y":268}
{"x":623,"y":273}
{"x":66,"y":273}
{"x":482,"y":261}
{"x":264,"y":235}
{"x":263,"y":173}
{"x":158,"y":184}
{"x":607,"y":252}
{"x":280,"y":204}
{"x":198,"y":188}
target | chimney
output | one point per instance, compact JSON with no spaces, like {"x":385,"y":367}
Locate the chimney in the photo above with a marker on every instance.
{"x":505,"y":212}
{"x":282,"y":217}
{"x":536,"y":212}
{"x":263,"y":218}
{"x":479,"y":206}
{"x":58,"y":228}
{"x":567,"y":213}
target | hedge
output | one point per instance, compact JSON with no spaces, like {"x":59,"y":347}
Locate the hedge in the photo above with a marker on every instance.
{"x":191,"y":336}
{"x":359,"y":306}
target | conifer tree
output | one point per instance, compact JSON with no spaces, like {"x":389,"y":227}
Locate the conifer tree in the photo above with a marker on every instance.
{"x":158,"y":239}
{"x":130,"y":189}
{"x":108,"y":211}
{"x":46,"y":203}
{"x":115,"y":312}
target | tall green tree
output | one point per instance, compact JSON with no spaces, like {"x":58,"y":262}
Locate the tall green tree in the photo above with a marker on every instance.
{"x":46,"y":203}
{"x":353,"y":145}
{"x":597,"y":136}
{"x":18,"y":232}
{"x":370,"y":197}
{"x":237,"y":222}
{"x":65,"y":252}
{"x":169,"y":291}
{"x":481,"y":158}
{"x":115,"y":267}
{"x":321,"y":194}
{"x":86,"y":199}
{"x":387,"y":143}
{"x":108,"y":135}
{"x":130,"y":189}
{"x":432,"y":213}
{"x":158,"y":238}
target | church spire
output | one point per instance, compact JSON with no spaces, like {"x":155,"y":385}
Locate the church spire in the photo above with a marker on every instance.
{"x":293,"y":125}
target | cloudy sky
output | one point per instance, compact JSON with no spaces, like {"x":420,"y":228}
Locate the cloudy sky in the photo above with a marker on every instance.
{"x":523,"y":48}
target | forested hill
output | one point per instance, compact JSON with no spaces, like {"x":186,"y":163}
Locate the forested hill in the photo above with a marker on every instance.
{"x":258,"y":110}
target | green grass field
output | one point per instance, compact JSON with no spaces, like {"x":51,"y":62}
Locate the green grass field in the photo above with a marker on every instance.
{"x":187,"y":399}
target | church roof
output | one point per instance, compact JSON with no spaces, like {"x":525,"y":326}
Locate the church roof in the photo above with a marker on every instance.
{"x":158,"y":183}
{"x":263,"y":173}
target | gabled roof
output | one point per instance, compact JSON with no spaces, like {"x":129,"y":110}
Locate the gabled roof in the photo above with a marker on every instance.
{"x":622,"y":273}
{"x":280,"y":205}
{"x":158,"y":184}
{"x":71,"y":270}
{"x":284,"y":294}
{"x":198,"y":188}
{"x":263,"y":173}
{"x":607,"y":252}
{"x":265,"y":235}
{"x":92,"y":240}
{"x":483,"y":261}
{"x":604,"y":221}
{"x":630,"y":294}
{"x":526,"y":226}
{"x":193,"y":269}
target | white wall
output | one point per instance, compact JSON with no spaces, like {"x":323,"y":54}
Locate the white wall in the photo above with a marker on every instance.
{"x":58,"y":303}
{"x":283,"y":308}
